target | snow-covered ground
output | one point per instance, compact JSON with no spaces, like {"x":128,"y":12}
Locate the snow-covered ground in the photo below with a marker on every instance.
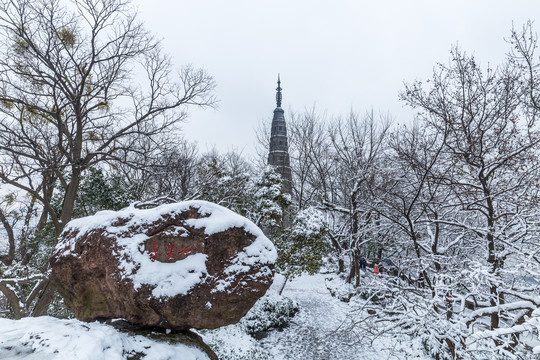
{"x":47,"y":338}
{"x":318,"y":331}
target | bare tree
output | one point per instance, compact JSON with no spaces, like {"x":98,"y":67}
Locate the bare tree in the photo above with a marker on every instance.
{"x":72,"y":95}
{"x":491,"y":138}
{"x":311,"y":161}
{"x":162,"y":171}
{"x":358,"y":145}
{"x":462,"y":195}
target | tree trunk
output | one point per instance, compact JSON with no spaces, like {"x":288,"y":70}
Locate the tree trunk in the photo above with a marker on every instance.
{"x":492,"y":257}
{"x":13,"y":301}
{"x":339,"y":252}
{"x":357,"y":267}
{"x":341,"y":266}
{"x":351,"y":269}
{"x":69,"y":200}
{"x":8,"y":259}
{"x":284,"y":283}
{"x":49,"y":290}
{"x":44,"y":299}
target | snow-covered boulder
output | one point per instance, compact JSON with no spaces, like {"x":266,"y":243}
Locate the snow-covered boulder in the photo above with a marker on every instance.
{"x":185,"y":265}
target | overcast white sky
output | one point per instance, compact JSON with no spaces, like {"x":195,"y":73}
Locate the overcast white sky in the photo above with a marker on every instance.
{"x":334,"y":55}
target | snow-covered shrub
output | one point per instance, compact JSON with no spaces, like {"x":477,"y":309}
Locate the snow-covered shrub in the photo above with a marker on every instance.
{"x":271,"y":202}
{"x":271,"y":312}
{"x":304,"y":245}
{"x":232,"y":343}
{"x":340,"y":289}
{"x":230,"y":181}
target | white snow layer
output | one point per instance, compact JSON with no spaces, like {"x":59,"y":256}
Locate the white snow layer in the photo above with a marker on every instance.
{"x":178,"y":278}
{"x":47,"y":338}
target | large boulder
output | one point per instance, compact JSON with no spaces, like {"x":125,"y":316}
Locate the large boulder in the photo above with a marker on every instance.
{"x":178,"y":266}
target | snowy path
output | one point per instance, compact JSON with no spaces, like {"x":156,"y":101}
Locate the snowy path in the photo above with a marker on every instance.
{"x":312,"y":333}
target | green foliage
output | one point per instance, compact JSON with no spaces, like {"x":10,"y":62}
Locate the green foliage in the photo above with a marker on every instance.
{"x":8,"y":105}
{"x":20,"y":45}
{"x":229,"y":181}
{"x":39,"y":244}
{"x":66,"y":37}
{"x":93,"y":136}
{"x":303,"y":246}
{"x":271,"y":200}
{"x":102,"y":191}
{"x":59,"y":309}
{"x":98,"y":191}
{"x":224,"y":180}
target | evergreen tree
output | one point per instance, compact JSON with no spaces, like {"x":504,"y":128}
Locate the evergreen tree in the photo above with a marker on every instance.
{"x":303,"y":246}
{"x":271,"y":201}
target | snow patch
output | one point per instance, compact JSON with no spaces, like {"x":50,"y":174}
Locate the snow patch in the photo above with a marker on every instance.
{"x":51,"y":338}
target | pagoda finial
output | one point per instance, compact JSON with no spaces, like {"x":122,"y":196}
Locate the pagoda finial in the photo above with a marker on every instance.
{"x":278,"y":95}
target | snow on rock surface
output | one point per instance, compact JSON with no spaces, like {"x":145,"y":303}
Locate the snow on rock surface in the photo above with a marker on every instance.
{"x":46,"y":338}
{"x":164,"y":276}
{"x":158,"y":266}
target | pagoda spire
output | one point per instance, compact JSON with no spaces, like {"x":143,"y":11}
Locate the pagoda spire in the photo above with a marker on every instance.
{"x":278,"y":94}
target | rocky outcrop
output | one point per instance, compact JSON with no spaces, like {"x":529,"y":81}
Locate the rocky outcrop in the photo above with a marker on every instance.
{"x":176,"y":266}
{"x":186,"y":337}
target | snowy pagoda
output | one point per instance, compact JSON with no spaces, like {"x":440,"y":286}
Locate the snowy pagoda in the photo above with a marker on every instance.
{"x":279,"y":147}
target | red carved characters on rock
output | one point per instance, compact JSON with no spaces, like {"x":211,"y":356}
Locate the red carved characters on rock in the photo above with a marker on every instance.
{"x":171,"y":251}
